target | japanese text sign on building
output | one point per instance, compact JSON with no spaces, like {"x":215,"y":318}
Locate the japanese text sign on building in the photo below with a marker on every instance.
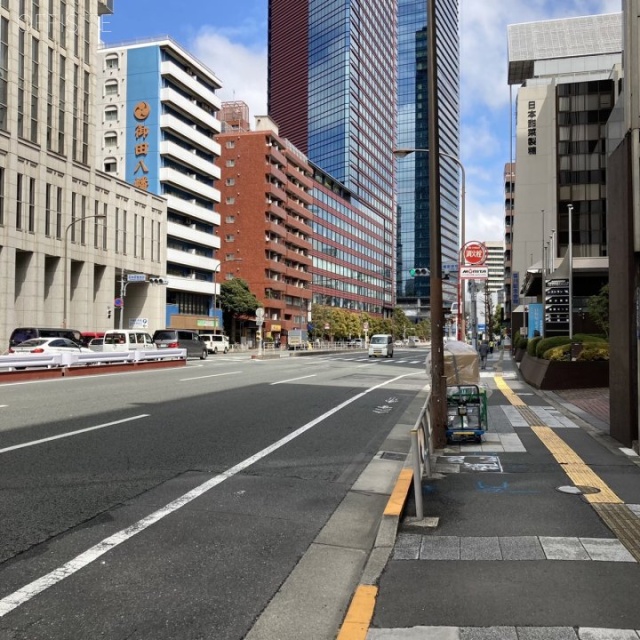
{"x":474,"y":253}
{"x":141,"y":112}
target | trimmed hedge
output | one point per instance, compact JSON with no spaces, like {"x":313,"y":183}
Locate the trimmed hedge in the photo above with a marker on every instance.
{"x":549,"y":343}
{"x":532,"y":344}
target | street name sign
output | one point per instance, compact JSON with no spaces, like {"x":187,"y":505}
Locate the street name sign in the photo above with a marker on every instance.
{"x":136,"y":277}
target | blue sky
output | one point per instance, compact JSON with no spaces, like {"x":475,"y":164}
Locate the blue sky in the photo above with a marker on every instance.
{"x":231,"y":39}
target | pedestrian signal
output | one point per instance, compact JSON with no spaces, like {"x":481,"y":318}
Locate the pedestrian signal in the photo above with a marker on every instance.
{"x":422,"y":271}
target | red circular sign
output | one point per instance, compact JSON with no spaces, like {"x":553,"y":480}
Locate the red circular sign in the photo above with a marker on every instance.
{"x":474,"y":253}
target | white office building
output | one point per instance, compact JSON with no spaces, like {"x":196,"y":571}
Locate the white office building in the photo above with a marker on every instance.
{"x":66,"y":230}
{"x":156,"y":129}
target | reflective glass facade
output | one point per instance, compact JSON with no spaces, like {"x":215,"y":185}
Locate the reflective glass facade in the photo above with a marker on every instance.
{"x":349,"y":134}
{"x":413,"y":248}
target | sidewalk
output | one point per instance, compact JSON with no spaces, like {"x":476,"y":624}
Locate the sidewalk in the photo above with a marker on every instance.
{"x":535,"y":533}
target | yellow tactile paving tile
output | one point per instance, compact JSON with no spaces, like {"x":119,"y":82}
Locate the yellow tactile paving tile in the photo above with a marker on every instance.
{"x":358,"y":619}
{"x":579,"y":473}
{"x":509,"y":394}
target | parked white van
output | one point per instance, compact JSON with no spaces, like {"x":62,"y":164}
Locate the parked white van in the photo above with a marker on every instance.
{"x":381,"y":344}
{"x":125,"y":340}
{"x":215,"y":342}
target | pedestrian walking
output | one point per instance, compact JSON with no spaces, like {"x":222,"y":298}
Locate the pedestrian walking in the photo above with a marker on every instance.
{"x":483,"y":350}
{"x":491,"y":345}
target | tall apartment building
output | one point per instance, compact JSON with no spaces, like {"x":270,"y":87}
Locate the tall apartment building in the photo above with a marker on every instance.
{"x":495,"y":262}
{"x":332,"y":93}
{"x":566,"y":95}
{"x":156,"y":129}
{"x":266,"y":224}
{"x":54,"y":206}
{"x":413,"y":132}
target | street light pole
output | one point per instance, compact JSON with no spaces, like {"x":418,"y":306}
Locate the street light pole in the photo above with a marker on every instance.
{"x":99,"y":216}
{"x":215,"y":292}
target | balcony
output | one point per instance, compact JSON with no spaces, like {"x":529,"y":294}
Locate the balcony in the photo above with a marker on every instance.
{"x":276,"y":193}
{"x":298,"y":193}
{"x":189,"y":159}
{"x":276,"y":229}
{"x":278,"y":174}
{"x":184,"y":232}
{"x":189,"y":133}
{"x":188,"y":183}
{"x":195,"y":211}
{"x":298,"y":225}
{"x":277,"y":156}
{"x":276,"y":247}
{"x":192,"y":285}
{"x":168,"y":68}
{"x":194,"y":260}
{"x":190,"y":109}
{"x":298,"y":209}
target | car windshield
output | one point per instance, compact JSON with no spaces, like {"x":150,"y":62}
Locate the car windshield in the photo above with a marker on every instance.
{"x":379,"y":340}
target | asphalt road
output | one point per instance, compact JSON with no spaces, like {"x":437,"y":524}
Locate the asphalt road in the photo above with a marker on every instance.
{"x":175,"y":503}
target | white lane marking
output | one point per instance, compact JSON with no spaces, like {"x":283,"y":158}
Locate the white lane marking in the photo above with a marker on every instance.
{"x":72,"y":433}
{"x":213,"y":375}
{"x":23,"y":595}
{"x":2,"y":406}
{"x":313,"y":375}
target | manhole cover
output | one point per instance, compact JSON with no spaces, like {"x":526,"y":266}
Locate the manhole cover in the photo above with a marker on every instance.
{"x":391,"y":455}
{"x":578,"y":490}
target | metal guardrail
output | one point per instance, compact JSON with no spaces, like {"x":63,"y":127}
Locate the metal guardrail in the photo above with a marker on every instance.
{"x":26,"y":361}
{"x":422,"y":446}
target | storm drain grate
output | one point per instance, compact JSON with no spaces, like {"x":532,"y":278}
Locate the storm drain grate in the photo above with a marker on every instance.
{"x":392,"y":455}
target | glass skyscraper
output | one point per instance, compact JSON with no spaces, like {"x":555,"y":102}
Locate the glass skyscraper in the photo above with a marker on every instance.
{"x":413,"y":240}
{"x":347,"y":84}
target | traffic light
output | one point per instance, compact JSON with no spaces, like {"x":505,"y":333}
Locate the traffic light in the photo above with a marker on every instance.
{"x":158,"y":281}
{"x":422,"y":271}
{"x":108,"y":312}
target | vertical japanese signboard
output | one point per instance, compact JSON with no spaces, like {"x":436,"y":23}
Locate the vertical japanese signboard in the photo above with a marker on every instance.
{"x":556,"y":300}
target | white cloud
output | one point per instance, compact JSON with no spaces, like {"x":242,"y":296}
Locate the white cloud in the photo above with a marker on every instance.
{"x":241,"y":69}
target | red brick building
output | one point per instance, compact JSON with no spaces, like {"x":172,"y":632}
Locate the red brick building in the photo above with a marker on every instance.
{"x":266,"y":192}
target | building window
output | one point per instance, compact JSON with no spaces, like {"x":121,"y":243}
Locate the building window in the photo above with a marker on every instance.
{"x":230,"y":144}
{"x":19,"y":201}
{"x":110,"y":165}
{"x":112,"y":62}
{"x":31,"y":220}
{"x":230,"y":163}
{"x":47,"y":210}
{"x":111,"y":114}
{"x":230,"y":200}
{"x":59,"y":214}
{"x":111,"y":88}
{"x":110,"y":139}
{"x":230,"y":219}
{"x":230,"y":182}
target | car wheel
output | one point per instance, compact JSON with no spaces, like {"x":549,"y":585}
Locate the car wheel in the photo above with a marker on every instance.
{"x":215,"y":350}
{"x":225,"y":350}
{"x":204,"y":354}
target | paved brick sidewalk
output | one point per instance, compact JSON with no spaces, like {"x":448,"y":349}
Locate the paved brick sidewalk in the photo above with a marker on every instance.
{"x":593,"y":401}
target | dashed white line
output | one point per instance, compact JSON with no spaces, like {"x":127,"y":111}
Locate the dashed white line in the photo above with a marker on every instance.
{"x":313,"y":375}
{"x":72,"y":433}
{"x":213,"y":375}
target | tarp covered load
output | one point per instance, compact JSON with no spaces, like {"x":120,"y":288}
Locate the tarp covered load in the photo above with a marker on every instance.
{"x":461,"y":363}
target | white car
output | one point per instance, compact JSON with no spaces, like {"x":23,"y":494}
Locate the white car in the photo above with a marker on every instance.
{"x":215,"y":342}
{"x":48,"y":345}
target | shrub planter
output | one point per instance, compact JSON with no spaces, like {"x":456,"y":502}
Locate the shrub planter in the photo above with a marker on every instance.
{"x":556,"y":374}
{"x":519,"y":354}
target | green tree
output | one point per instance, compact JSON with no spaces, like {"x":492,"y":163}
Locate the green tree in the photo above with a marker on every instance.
{"x":236,"y":300}
{"x":496,"y":321}
{"x":598,"y":308}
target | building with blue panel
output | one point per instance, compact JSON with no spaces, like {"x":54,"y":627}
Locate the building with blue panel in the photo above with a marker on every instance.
{"x":157,"y":119}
